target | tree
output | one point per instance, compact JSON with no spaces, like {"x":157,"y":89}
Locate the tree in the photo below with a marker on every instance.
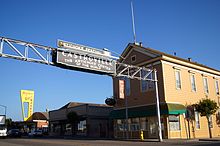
{"x":72,"y":118}
{"x":190,"y":117}
{"x":207,"y":107}
{"x":8,"y":122}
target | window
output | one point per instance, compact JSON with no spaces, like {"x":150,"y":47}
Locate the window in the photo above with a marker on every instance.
{"x":68,"y":128}
{"x":147,"y":85}
{"x":120,"y":125}
{"x":205,"y":83}
{"x":178,"y":80}
{"x":133,"y":58}
{"x":217,"y":87}
{"x":197,"y":120}
{"x":174,"y":122}
{"x":193,"y":82}
{"x":143,"y":123}
{"x":134,"y":126}
{"x":82,"y":126}
{"x":127,"y":87}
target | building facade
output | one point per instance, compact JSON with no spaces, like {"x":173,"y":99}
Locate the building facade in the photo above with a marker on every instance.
{"x":40,"y":121}
{"x":93,"y":121}
{"x":181,"y":83}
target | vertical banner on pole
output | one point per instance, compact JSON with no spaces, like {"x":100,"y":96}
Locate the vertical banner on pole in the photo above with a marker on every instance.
{"x":121,"y":89}
{"x":27,"y":98}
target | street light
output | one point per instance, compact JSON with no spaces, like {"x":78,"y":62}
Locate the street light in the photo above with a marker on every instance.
{"x":5,"y":108}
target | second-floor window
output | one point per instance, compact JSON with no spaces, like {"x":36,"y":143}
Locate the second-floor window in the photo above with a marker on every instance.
{"x":193,"y":82}
{"x":205,"y":83}
{"x":217,"y":87}
{"x":178,"y":79}
{"x":127,"y":86}
{"x":147,"y":85}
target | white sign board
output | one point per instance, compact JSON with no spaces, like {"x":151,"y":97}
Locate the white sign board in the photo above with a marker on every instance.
{"x":73,"y":46}
{"x":2,"y":119}
{"x":83,"y":58}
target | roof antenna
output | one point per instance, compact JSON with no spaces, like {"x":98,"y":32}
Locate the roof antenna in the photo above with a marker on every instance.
{"x":133,"y":25}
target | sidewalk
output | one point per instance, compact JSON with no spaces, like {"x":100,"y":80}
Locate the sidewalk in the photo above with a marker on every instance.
{"x":137,"y":140}
{"x":156,"y":140}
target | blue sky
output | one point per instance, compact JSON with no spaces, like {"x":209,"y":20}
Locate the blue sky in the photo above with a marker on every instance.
{"x":191,"y":28}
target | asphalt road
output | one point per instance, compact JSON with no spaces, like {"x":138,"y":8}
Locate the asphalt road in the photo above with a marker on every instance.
{"x":70,"y":142}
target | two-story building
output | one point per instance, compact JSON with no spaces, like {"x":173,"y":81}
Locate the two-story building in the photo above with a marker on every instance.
{"x":181,"y":83}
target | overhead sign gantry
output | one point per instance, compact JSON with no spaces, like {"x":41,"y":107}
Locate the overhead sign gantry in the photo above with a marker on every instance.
{"x":72,"y":56}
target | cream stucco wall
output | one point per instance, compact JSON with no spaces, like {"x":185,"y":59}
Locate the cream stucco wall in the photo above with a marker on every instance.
{"x":186,"y":96}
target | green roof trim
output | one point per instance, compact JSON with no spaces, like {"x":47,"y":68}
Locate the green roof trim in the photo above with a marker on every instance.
{"x":150,"y":110}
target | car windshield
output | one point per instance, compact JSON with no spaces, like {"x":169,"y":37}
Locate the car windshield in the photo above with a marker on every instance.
{"x":14,"y":130}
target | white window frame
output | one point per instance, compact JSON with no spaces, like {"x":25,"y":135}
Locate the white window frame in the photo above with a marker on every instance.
{"x":206,"y":85}
{"x":193,"y":82}
{"x":149,"y":85}
{"x":217,"y":87}
{"x":178,"y":81}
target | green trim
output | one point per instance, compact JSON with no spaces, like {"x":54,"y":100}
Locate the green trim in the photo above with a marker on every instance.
{"x":150,"y":110}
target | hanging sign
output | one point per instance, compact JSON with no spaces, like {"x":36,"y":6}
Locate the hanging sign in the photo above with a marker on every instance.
{"x":121,"y":89}
{"x":84,"y":58}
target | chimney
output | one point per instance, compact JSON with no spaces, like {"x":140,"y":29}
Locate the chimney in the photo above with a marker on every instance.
{"x":140,"y":43}
{"x":190,"y":59}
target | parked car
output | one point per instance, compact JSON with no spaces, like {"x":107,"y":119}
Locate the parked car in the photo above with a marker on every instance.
{"x":14,"y":133}
{"x":35,"y":133}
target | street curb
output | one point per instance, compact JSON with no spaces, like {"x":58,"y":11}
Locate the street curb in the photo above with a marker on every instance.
{"x":209,"y":139}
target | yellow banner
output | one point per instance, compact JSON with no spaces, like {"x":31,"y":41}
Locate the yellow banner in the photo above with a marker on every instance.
{"x":27,"y":96}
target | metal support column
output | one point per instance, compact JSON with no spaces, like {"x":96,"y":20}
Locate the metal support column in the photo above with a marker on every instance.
{"x":158,"y":107}
{"x":126,"y":116}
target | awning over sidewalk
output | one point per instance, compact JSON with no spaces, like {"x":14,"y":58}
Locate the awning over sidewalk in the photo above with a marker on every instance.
{"x":150,"y":110}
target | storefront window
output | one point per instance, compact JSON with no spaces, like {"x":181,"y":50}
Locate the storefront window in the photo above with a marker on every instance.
{"x":120,"y":125}
{"x":153,"y":128}
{"x":143,"y":123}
{"x":134,"y":126}
{"x":82,"y":126}
{"x":174,"y":122}
{"x":57,"y":128}
{"x":68,"y":127}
